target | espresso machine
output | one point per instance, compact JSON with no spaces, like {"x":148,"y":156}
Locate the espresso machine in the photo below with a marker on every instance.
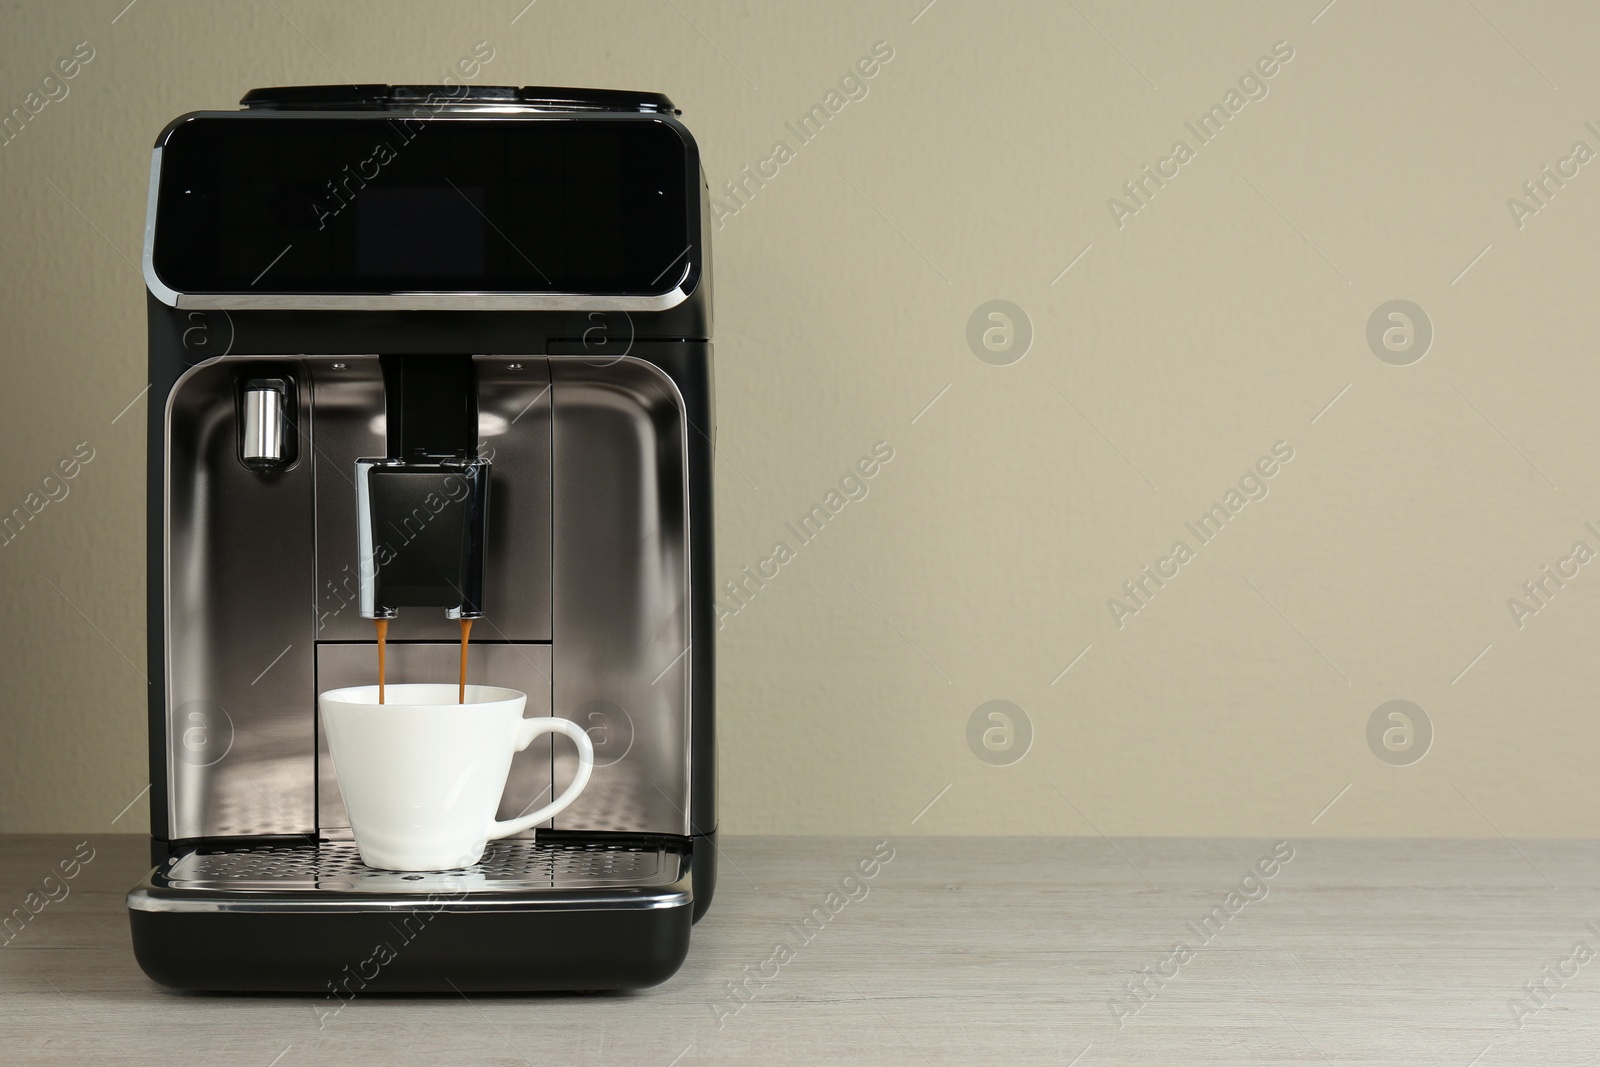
{"x":423,"y":354}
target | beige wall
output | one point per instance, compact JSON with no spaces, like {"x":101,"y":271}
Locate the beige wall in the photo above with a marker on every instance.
{"x":1217,"y":320}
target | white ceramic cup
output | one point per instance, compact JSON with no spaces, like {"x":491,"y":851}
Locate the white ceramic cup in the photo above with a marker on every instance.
{"x":422,"y":775}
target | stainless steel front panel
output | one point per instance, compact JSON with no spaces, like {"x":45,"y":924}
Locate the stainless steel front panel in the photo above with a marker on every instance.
{"x":515,"y":666}
{"x":588,"y":549}
{"x":621,"y":594}
{"x":514,"y":435}
{"x":239,"y":636}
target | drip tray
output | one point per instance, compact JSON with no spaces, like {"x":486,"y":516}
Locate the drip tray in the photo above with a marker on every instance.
{"x":548,"y":873}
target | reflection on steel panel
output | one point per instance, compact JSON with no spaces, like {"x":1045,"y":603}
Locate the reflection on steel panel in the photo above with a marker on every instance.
{"x":240,"y":571}
{"x":620,"y":584}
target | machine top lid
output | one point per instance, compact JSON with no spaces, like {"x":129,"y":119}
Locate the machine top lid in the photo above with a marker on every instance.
{"x":396,"y":97}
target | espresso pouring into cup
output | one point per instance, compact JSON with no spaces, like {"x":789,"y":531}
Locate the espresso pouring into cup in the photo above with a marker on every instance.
{"x":422,"y":774}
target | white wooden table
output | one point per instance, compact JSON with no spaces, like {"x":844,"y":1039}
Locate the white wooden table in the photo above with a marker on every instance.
{"x":962,"y":951}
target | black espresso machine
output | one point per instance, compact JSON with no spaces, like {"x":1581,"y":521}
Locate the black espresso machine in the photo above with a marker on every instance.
{"x":508,"y":285}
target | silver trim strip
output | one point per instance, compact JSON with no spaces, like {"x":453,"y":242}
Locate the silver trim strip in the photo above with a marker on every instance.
{"x":153,"y":281}
{"x":147,"y":897}
{"x":456,"y":111}
{"x":506,"y":109}
{"x":465,"y":301}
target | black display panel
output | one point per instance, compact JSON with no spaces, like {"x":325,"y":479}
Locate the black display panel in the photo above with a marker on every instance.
{"x":397,"y":204}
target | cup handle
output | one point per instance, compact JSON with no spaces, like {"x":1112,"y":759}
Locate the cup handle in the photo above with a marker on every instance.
{"x":527,"y":730}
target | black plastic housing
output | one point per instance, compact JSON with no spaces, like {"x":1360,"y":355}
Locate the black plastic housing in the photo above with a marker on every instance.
{"x":345,"y":956}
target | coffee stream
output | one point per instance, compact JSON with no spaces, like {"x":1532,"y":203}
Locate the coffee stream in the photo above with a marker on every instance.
{"x":466,"y":628}
{"x":383,"y":636}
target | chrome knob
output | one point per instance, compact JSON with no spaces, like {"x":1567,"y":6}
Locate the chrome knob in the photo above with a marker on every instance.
{"x":261,"y":427}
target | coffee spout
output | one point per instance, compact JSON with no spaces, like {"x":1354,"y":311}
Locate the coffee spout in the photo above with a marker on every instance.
{"x":422,"y":511}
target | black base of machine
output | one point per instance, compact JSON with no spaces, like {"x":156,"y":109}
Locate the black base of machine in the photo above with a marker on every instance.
{"x":565,"y":913}
{"x":349,"y":956}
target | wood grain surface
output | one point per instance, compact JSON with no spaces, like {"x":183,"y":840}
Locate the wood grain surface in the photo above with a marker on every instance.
{"x":958,"y":951}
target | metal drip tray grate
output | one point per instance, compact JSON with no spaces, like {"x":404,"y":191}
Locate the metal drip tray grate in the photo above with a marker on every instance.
{"x":566,"y":873}
{"x":519,"y":863}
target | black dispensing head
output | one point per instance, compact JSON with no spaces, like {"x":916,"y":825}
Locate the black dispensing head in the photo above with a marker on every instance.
{"x":423,"y":509}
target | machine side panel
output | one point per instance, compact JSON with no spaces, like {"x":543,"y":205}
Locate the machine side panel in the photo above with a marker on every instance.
{"x":166,"y":364}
